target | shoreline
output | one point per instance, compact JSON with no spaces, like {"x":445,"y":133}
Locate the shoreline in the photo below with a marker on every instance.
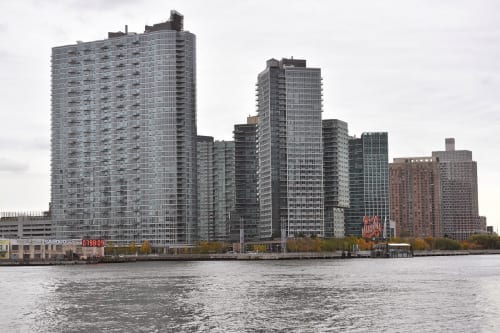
{"x":238,"y":256}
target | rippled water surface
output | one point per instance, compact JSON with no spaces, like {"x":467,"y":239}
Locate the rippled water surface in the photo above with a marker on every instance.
{"x":439,"y":294}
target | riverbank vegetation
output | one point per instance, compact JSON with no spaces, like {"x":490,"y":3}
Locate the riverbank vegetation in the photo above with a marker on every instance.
{"x":475,"y":242}
{"x":312,"y":244}
{"x":316,"y":244}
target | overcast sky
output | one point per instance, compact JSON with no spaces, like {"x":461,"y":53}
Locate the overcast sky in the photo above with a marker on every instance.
{"x":421,"y":70}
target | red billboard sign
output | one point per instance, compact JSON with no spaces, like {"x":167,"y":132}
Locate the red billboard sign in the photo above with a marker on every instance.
{"x":371,"y":227}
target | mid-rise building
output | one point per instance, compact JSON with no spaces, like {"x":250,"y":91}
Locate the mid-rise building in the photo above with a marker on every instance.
{"x":25,"y":225}
{"x":368,"y":185}
{"x":124,"y":137}
{"x":458,"y":190}
{"x":224,"y":189}
{"x":245,"y":176}
{"x":206,"y":207}
{"x":290,"y":151}
{"x":44,"y":249}
{"x":335,"y":175}
{"x":414,"y":196}
{"x":482,"y":223}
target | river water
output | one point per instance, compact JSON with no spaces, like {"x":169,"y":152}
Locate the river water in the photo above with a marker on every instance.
{"x":433,"y":294}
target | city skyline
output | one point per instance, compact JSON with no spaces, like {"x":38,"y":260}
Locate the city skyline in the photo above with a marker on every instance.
{"x":383,"y":69}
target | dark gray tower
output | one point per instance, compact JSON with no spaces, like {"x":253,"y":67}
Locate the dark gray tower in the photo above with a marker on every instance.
{"x":335,"y":175}
{"x":245,"y":160}
{"x":368,"y":181}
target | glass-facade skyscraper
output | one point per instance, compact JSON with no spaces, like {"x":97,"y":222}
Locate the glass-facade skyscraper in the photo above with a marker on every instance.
{"x":290,"y":151}
{"x":368,"y":182}
{"x":224,"y":191}
{"x":123,"y":162}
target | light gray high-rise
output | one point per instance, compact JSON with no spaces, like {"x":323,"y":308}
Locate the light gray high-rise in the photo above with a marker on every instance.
{"x":290,"y":151}
{"x":206,"y":207}
{"x":458,"y":192}
{"x":124,"y":137}
{"x":224,"y":189}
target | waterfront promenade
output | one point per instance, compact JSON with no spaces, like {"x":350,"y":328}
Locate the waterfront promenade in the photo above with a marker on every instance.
{"x":237,"y":256}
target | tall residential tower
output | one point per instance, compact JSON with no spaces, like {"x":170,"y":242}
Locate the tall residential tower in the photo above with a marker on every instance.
{"x":414,"y":196}
{"x":458,"y":190}
{"x":336,"y":175}
{"x":224,"y":192}
{"x":245,"y":177}
{"x":124,"y":137}
{"x":206,"y":207}
{"x":290,"y":151}
{"x":368,"y":183}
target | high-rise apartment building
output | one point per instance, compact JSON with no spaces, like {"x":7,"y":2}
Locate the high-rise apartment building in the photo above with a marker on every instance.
{"x":414,"y":196}
{"x":124,"y":137}
{"x":335,"y":175}
{"x":356,"y":211}
{"x":245,"y":176}
{"x":290,"y":152}
{"x":458,"y":189}
{"x":224,"y":189}
{"x":368,"y":183}
{"x":206,"y":207}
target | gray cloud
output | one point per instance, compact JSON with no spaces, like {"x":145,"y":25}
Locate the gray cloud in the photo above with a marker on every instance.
{"x":12,"y":166}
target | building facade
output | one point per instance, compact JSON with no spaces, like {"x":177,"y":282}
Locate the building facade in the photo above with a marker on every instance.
{"x":123,"y":162}
{"x":38,"y":249}
{"x":25,"y":225}
{"x":245,"y":176}
{"x":368,"y":184}
{"x":335,"y":175}
{"x":414,"y":196}
{"x":290,"y":152}
{"x":356,"y":211}
{"x":224,"y":189}
{"x":459,"y":195}
{"x":205,"y":166}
